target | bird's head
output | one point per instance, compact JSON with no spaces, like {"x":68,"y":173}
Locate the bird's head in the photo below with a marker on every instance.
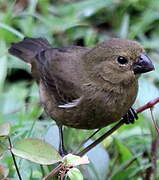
{"x":117,"y":60}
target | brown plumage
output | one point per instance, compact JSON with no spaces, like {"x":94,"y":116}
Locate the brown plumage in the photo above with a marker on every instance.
{"x":85,"y":87}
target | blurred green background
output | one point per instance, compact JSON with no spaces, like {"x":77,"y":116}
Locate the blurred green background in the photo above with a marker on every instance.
{"x":132,"y":151}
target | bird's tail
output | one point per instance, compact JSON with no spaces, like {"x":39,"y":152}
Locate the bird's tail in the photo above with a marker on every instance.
{"x":28,"y":48}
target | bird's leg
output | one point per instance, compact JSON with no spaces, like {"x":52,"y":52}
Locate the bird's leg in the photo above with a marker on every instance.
{"x":62,"y":150}
{"x":130,"y":116}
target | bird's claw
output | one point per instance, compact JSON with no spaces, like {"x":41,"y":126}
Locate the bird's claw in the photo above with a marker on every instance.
{"x":62,"y":152}
{"x":130,"y":116}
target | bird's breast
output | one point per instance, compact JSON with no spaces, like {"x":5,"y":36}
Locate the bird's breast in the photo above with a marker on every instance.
{"x":97,"y":108}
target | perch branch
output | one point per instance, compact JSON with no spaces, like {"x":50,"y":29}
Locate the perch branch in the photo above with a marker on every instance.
{"x":149,"y":105}
{"x":53,"y":172}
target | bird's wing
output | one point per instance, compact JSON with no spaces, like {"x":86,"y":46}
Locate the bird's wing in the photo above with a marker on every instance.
{"x":49,"y":67}
{"x":56,"y":81}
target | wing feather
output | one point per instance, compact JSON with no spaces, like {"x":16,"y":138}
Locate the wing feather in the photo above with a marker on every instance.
{"x":61,"y":88}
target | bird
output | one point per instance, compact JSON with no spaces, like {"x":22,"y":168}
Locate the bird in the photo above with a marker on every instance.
{"x":85,"y":87}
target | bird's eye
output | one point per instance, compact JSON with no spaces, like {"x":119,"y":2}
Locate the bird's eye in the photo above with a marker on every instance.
{"x":122,"y":60}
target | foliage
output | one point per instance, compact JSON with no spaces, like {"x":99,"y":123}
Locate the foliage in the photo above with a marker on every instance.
{"x":131,"y":148}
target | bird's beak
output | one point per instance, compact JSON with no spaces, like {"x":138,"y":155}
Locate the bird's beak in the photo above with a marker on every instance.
{"x":143,"y":65}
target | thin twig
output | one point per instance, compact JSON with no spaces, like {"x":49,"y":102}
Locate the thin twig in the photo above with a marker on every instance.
{"x":14,"y":160}
{"x":151,"y":171}
{"x":53,"y":172}
{"x":155,"y":123}
{"x":149,"y":105}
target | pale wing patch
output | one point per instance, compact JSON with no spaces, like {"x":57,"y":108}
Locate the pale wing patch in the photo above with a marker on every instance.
{"x":30,"y":66}
{"x":71,"y":104}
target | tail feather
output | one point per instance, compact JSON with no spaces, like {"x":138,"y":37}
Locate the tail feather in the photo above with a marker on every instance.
{"x":29,"y":48}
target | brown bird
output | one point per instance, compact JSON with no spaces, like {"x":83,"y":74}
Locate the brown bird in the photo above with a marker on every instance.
{"x":85,"y":87}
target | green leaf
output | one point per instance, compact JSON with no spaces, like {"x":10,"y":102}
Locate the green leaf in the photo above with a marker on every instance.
{"x":12,"y":30}
{"x":73,"y":160}
{"x":4,"y":129}
{"x":125,"y":169}
{"x":125,"y":153}
{"x":90,"y":37}
{"x":74,"y":174}
{"x":124,"y":26}
{"x":124,"y":174}
{"x":83,"y":8}
{"x":36,"y":151}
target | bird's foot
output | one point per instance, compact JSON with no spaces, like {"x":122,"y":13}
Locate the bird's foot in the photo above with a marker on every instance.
{"x":62,"y":152}
{"x":130,"y":116}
